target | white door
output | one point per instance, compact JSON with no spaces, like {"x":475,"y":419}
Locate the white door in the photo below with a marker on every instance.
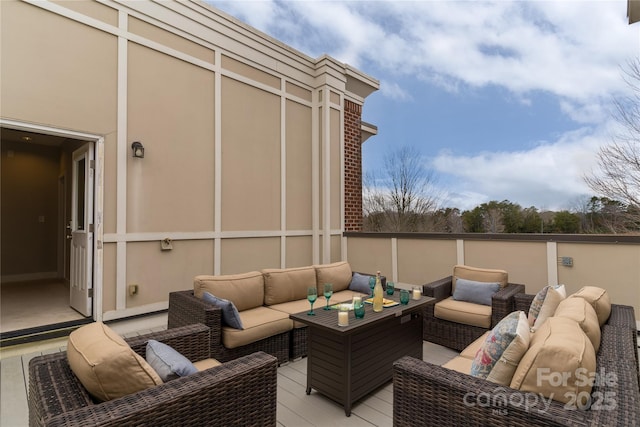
{"x":81,"y":226}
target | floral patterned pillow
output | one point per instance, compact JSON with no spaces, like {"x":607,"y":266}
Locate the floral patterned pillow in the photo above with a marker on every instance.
{"x":544,"y":304}
{"x":501,"y":352}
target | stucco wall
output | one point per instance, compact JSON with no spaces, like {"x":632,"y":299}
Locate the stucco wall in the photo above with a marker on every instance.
{"x":242,"y":137}
{"x":534,"y":262}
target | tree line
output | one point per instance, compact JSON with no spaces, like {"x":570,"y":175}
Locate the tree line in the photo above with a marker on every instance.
{"x":597,"y":215}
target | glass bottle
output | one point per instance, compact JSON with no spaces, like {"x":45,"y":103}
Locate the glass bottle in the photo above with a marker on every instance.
{"x":377,"y":294}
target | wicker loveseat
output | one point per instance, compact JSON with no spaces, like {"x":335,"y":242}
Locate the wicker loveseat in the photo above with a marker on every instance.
{"x":240,"y":392}
{"x":274,"y":294}
{"x":463,"y":328}
{"x":427,"y":394}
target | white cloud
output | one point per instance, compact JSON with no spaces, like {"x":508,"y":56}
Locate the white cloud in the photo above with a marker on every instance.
{"x":549,"y":176}
{"x":571,"y":49}
{"x":394,"y":90}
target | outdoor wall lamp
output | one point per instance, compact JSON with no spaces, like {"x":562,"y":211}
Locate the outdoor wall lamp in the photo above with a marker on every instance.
{"x":138,"y":149}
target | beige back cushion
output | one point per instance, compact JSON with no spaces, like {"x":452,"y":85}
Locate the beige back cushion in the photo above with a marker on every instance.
{"x":338,"y":274}
{"x":245,"y":290}
{"x":287,"y":285}
{"x":582,"y":312}
{"x":479,"y":275}
{"x":599,"y":300}
{"x":558,"y":363}
{"x":105,"y":364}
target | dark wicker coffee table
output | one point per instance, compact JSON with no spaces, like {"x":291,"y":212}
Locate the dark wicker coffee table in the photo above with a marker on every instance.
{"x":345,"y":363}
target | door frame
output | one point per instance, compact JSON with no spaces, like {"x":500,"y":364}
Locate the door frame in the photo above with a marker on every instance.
{"x":98,"y":193}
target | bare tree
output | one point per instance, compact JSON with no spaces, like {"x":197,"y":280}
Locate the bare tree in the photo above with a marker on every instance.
{"x":401,"y":196}
{"x":618,"y":177}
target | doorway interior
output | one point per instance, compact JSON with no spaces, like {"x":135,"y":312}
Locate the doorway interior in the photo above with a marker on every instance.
{"x":39,"y":194}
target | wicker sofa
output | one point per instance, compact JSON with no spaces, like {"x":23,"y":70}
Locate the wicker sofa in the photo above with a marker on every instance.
{"x":459,"y":334}
{"x":427,"y":394}
{"x":268,"y":296}
{"x":240,"y":392}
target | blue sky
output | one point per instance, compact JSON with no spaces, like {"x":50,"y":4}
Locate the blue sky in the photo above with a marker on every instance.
{"x":505,"y":100}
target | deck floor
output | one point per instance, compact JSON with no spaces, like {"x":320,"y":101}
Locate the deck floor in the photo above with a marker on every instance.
{"x":295,"y":408}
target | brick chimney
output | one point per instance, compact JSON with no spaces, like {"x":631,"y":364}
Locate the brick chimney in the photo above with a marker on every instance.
{"x":352,"y":166}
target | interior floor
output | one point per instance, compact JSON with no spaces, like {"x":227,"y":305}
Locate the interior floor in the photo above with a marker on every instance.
{"x":34,"y":304}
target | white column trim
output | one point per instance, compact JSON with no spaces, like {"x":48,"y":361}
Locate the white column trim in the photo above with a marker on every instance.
{"x":460,"y":251}
{"x":552,"y":263}
{"x":326,"y":175}
{"x":394,"y":259}
{"x":283,"y":174}
{"x":122,"y":150}
{"x":98,"y":221}
{"x":315,"y":178}
{"x":217,"y":168}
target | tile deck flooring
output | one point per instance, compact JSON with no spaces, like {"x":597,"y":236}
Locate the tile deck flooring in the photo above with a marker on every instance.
{"x":294,"y":409}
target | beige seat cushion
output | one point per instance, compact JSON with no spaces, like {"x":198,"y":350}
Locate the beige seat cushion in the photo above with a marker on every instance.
{"x":463,"y":312}
{"x":205,"y":364}
{"x":581,"y":311}
{"x":244,"y":290}
{"x":290,"y":284}
{"x":303,"y":305}
{"x":470,"y":351}
{"x":599,"y":300}
{"x":479,"y":275}
{"x":259,"y":323}
{"x":558,"y":363}
{"x":298,"y":306}
{"x":337,"y":273}
{"x":460,"y":364}
{"x":105,"y":364}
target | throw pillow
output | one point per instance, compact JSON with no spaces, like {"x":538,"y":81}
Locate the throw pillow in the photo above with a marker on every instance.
{"x":502,"y":350}
{"x":599,"y":300}
{"x":475,"y":292}
{"x":544,"y":304}
{"x":230,"y":315}
{"x":360,"y":283}
{"x":105,"y":364}
{"x":167,"y":362}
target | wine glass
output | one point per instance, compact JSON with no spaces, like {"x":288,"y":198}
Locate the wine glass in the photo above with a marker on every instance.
{"x":328,"y":291}
{"x":312,"y":296}
{"x":372,"y":284}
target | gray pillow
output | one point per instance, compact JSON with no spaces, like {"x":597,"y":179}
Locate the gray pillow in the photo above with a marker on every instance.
{"x":167,"y":362}
{"x":360,"y":283}
{"x":475,"y":292}
{"x":230,"y":315}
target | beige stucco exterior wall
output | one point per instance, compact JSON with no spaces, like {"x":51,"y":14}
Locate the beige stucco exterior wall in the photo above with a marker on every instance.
{"x":615,"y":267}
{"x":242,"y":136}
{"x":534,"y":263}
{"x":524,"y":261}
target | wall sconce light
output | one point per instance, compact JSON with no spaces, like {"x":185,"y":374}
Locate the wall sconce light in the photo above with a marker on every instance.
{"x":138,"y":149}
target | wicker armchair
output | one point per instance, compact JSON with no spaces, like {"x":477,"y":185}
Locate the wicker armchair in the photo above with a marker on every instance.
{"x":240,"y":392}
{"x":429,"y":395}
{"x":459,"y":335}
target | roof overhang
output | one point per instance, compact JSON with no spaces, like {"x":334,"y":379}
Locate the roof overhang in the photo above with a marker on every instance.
{"x":633,"y":11}
{"x":367,"y":130}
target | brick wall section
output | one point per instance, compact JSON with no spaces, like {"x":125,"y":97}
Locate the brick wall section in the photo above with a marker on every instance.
{"x":352,"y":167}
